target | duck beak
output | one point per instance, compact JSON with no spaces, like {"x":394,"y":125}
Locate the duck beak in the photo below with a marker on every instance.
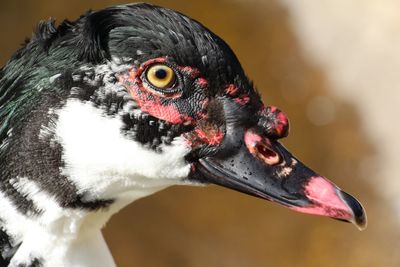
{"x":251,"y":163}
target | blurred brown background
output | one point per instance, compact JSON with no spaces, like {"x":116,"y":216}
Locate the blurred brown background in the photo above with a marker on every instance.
{"x":212,"y":226}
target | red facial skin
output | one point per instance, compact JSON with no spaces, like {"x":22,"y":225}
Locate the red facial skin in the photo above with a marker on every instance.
{"x":282,"y":124}
{"x":231,"y":90}
{"x":192,"y":72}
{"x":205,"y":134}
{"x":150,"y":100}
{"x":279,"y":126}
{"x":203,"y":83}
{"x":213,"y":137}
{"x":242,"y":100}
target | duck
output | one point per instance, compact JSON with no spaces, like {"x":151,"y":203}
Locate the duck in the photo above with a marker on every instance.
{"x":124,"y":102}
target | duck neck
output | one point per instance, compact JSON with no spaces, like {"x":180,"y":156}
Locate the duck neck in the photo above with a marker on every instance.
{"x":57,"y":236}
{"x":85,"y":250}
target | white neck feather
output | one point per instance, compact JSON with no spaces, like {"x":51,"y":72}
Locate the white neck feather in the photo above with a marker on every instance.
{"x":59,"y":236}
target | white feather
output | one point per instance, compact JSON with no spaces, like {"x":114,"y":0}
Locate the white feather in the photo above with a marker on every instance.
{"x":99,"y":159}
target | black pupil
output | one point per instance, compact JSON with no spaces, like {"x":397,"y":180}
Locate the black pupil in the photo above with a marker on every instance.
{"x":161,"y":74}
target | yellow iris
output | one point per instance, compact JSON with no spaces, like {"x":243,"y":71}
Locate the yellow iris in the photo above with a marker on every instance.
{"x":160,"y":76}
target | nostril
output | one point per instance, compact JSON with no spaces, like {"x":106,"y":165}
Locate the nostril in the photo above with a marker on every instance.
{"x":260,"y":147}
{"x":266,"y":154}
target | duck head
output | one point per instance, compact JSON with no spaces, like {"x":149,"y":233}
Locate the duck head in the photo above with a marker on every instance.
{"x":191,"y":80}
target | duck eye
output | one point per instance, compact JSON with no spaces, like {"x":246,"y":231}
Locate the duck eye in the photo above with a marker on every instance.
{"x":161,"y":76}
